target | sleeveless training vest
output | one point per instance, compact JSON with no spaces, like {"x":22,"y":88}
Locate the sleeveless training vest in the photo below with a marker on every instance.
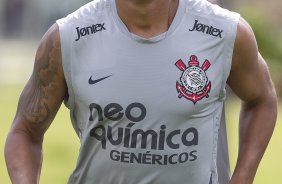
{"x":149,"y":111}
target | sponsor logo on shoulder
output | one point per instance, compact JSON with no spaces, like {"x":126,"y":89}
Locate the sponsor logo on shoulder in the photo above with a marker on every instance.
{"x":209,"y":30}
{"x":89,"y":30}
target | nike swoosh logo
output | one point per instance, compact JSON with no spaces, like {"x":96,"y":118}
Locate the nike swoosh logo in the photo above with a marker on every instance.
{"x":91,"y":81}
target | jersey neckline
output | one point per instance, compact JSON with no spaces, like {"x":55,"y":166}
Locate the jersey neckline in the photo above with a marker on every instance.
{"x":122,"y":27}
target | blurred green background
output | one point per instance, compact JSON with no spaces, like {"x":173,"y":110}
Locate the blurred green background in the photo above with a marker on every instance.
{"x":23,"y":22}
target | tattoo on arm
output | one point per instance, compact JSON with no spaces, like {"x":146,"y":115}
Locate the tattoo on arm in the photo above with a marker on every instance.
{"x":35,"y":100}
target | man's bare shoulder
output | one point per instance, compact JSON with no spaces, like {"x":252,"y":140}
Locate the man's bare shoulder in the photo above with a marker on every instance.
{"x":249,"y":76}
{"x":245,"y":46}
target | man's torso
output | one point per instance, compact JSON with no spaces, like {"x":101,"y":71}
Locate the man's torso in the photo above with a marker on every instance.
{"x":148,"y":110}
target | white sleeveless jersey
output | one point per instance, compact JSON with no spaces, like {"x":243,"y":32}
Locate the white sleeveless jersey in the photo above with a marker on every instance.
{"x":149,"y":111}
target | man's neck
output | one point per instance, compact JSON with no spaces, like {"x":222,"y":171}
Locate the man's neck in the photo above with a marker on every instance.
{"x":147,"y":18}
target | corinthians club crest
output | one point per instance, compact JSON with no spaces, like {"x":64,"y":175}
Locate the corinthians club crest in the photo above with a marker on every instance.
{"x":194,"y":84}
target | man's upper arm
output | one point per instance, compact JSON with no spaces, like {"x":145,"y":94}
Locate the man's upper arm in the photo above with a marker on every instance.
{"x":249,"y":77}
{"x":46,"y":88}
